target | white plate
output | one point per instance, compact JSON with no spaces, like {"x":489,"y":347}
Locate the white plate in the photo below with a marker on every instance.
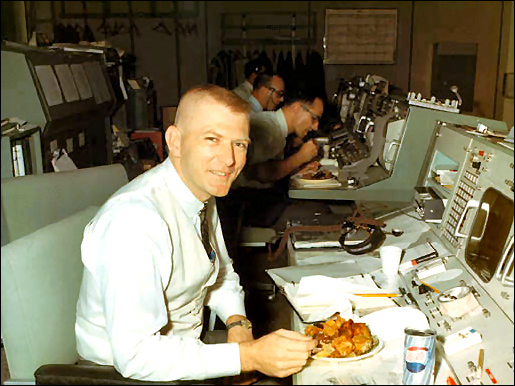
{"x":377,"y":348}
{"x":317,"y":181}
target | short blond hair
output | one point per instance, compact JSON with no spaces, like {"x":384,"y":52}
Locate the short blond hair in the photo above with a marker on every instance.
{"x":219,"y":94}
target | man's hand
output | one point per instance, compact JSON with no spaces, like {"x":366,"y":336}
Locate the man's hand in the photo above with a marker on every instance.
{"x":308,"y":151}
{"x":313,"y":166}
{"x":296,"y":141}
{"x":278,"y":354}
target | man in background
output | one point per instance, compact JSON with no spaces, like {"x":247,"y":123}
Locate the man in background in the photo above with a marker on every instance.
{"x":252,"y":69}
{"x":268,"y":131}
{"x":268,"y":93}
{"x":259,"y":194}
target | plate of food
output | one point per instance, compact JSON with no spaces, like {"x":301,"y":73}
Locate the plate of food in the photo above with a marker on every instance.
{"x":320,"y":177}
{"x":341,"y":340}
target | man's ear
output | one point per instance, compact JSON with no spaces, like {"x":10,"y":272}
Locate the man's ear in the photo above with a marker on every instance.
{"x":297,"y":107}
{"x":173,"y":140}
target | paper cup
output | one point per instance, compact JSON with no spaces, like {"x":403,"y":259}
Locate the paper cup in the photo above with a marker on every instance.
{"x":390,"y":259}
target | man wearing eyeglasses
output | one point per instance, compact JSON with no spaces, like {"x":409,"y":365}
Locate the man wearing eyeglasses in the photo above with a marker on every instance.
{"x":258,"y":189}
{"x":268,"y":131}
{"x":268,"y":93}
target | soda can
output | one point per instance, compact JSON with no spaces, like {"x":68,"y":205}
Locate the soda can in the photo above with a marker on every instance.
{"x":419,"y":356}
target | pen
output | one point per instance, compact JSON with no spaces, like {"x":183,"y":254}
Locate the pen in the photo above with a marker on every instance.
{"x":418,"y":260}
{"x":479,"y":371}
{"x":492,"y":378}
{"x":430,"y":286}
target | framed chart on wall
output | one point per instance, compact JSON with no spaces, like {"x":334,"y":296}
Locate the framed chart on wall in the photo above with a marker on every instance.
{"x":360,"y":36}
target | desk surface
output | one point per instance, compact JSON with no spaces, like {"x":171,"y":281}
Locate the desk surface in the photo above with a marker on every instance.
{"x":385,"y":368}
{"x":387,"y":364}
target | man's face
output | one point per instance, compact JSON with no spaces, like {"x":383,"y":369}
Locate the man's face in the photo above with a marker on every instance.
{"x":276,"y":93}
{"x":213,"y":149}
{"x":308,"y":117}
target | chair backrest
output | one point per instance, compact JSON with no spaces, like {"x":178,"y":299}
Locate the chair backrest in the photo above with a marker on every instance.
{"x":32,"y":202}
{"x":40,"y":282}
{"x":43,"y":220}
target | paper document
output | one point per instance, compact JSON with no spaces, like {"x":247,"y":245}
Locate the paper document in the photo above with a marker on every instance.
{"x":62,"y":161}
{"x":318,"y":297}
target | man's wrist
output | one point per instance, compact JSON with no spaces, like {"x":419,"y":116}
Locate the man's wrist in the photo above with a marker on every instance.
{"x":244,"y":322}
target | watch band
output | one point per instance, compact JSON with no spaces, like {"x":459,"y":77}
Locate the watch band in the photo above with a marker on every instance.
{"x":243,"y":322}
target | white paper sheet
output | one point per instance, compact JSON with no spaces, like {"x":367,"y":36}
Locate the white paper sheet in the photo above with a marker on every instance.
{"x":62,"y":162}
{"x":389,"y":324}
{"x":317,"y":297}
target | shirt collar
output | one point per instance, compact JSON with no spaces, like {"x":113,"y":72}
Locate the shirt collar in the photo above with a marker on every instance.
{"x":190,"y":204}
{"x":256,"y":106}
{"x":282,"y":122}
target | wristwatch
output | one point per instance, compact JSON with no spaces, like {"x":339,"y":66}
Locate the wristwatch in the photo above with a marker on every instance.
{"x":243,"y":322}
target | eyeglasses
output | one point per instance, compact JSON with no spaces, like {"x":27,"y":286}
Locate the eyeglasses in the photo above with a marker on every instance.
{"x":281,"y":93}
{"x":314,"y":117}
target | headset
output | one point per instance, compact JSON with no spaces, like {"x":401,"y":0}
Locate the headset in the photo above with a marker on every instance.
{"x":359,"y":221}
{"x":374,"y":241}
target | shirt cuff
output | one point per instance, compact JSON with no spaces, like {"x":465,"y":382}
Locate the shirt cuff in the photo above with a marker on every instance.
{"x":222,"y":359}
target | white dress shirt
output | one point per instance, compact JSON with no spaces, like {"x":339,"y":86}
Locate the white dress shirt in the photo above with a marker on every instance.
{"x":145,"y":268}
{"x":254,"y":103}
{"x":244,"y":90}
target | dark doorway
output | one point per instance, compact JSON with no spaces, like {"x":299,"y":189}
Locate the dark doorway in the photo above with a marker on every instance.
{"x":454,"y":64}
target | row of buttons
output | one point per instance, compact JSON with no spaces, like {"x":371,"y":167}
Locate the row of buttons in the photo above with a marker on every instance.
{"x":469,"y":190}
{"x":449,"y":236}
{"x":453,"y":222}
{"x":471,"y":177}
{"x":456,"y":209}
{"x":460,"y":202}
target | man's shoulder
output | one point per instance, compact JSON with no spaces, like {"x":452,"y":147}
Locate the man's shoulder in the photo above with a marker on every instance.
{"x":264,"y":122}
{"x":139,"y":197}
{"x":129,"y":206}
{"x":263,"y":116}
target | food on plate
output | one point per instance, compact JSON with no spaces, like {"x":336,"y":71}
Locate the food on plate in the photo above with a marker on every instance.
{"x":340,"y":338}
{"x":313,"y":171}
{"x":317,"y":175}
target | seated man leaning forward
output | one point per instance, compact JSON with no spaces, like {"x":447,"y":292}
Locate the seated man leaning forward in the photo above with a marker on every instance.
{"x":147,"y":275}
{"x":268,"y":132}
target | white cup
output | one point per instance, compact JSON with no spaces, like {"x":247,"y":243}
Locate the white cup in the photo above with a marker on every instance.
{"x":390,"y":259}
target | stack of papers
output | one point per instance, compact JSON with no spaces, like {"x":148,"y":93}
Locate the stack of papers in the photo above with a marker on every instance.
{"x":318,"y":297}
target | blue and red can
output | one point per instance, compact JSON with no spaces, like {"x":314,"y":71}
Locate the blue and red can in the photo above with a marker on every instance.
{"x":419,"y":356}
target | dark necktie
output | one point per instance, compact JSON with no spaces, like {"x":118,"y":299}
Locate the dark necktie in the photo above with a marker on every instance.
{"x":204,"y":231}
